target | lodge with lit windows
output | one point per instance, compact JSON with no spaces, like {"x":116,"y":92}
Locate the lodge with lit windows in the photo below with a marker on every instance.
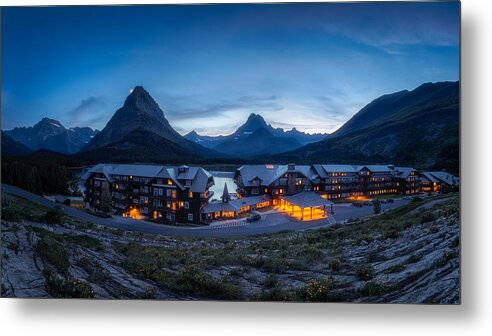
{"x":170,"y":194}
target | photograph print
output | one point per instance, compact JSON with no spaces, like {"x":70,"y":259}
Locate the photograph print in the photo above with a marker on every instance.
{"x":294,"y":152}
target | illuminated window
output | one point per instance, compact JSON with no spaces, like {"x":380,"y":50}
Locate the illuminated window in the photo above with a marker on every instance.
{"x":169,"y":181}
{"x":190,"y":194}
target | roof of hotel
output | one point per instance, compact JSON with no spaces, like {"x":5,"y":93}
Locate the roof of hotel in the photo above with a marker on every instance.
{"x":247,"y":201}
{"x":269,"y":173}
{"x":377,"y":168}
{"x":197,"y":175}
{"x":307,"y":200}
{"x":429,"y":177}
{"x":403,"y":172}
{"x":323,"y":170}
{"x":266,"y":173}
{"x":444,"y":177}
{"x":218,"y":206}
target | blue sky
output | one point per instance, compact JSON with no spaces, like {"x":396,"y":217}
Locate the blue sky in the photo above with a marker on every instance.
{"x":310,"y":66}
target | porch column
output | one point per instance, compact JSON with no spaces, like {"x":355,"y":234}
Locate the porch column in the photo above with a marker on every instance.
{"x":302,"y":213}
{"x":311,"y":212}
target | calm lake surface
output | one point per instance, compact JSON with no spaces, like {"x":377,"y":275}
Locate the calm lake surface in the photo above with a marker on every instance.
{"x":221,"y":178}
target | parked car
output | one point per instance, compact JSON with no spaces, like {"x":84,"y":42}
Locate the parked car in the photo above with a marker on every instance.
{"x":366,"y":203}
{"x":383,"y":201}
{"x":357,"y":204}
{"x":390,"y":200}
{"x":407,"y":198}
{"x":253,"y":218}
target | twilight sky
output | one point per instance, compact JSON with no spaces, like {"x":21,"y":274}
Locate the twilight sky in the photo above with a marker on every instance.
{"x":311,"y":66}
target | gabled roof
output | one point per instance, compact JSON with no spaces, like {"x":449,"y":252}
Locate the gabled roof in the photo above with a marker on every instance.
{"x":266,"y":173}
{"x":444,"y":177}
{"x":269,"y":173}
{"x":307,"y":199}
{"x":403,"y":172}
{"x":247,"y":201}
{"x":199,"y":177}
{"x":377,"y":168}
{"x":429,"y":177}
{"x":100,"y":168}
{"x":136,"y":170}
{"x":324,"y":170}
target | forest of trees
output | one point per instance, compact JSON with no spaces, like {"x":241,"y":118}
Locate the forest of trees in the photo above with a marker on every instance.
{"x":36,"y":174}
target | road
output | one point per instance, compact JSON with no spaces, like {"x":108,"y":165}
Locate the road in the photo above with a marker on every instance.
{"x":272,"y":223}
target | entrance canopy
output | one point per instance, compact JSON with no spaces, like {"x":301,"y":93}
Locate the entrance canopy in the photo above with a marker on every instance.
{"x":307,"y":200}
{"x":296,"y":205}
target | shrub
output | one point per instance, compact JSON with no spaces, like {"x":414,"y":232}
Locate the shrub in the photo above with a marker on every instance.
{"x":70,"y":288}
{"x":270,"y":282}
{"x":192,"y":280}
{"x":85,"y":241}
{"x":278,"y":294}
{"x":54,"y":216}
{"x":413,"y":259}
{"x":392,"y":234}
{"x":335,"y":264}
{"x":54,"y":253}
{"x":372,"y":288}
{"x":318,"y":290}
{"x":427,"y":217}
{"x":11,"y":214}
{"x":364,"y":272}
{"x":376,"y":204}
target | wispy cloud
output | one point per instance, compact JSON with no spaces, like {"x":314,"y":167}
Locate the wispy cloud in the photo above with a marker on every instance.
{"x":89,"y":112}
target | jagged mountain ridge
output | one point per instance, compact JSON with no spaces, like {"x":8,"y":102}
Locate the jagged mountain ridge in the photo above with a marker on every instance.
{"x":123,"y":136}
{"x":256,"y":137}
{"x":52,"y":135}
{"x":418,"y":128}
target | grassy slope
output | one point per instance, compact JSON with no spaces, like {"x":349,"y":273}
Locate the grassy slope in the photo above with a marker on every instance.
{"x":378,"y":259}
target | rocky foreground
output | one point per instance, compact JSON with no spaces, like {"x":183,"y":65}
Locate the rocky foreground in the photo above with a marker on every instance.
{"x":407,"y":255}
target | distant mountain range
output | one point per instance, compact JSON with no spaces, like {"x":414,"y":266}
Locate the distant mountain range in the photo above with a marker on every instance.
{"x":418,"y":128}
{"x":52,"y":135}
{"x":256,"y":137}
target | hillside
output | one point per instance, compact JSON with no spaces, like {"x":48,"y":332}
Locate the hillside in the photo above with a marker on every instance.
{"x":407,"y":255}
{"x":418,"y":128}
{"x":10,"y":147}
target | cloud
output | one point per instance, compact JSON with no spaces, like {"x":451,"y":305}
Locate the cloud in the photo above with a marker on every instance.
{"x":91,"y":111}
{"x":193,"y":107}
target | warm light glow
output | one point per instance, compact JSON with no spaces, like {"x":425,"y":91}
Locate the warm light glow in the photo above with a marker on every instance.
{"x":133,"y":213}
{"x":169,"y":181}
{"x":302,"y":214}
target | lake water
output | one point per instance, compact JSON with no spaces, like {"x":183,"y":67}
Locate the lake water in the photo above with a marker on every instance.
{"x":221,"y":178}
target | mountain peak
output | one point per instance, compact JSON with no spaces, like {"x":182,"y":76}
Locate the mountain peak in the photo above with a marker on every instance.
{"x":192,"y":134}
{"x":254,"y":122}
{"x":140,"y":100}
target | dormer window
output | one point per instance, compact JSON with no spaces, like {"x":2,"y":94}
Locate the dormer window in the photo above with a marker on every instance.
{"x":188,"y":182}
{"x":169,"y":181}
